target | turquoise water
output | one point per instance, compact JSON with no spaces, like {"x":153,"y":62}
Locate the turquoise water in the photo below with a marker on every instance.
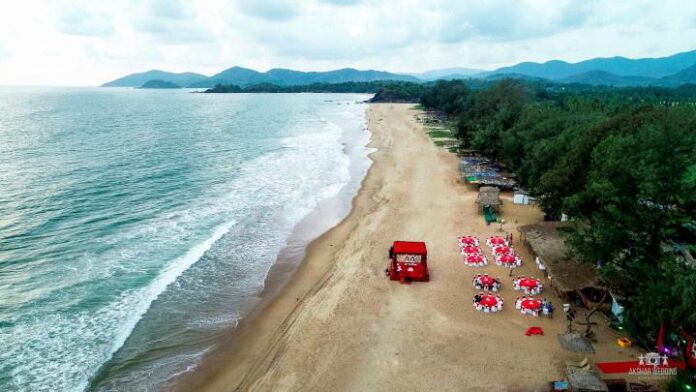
{"x":136,"y":225}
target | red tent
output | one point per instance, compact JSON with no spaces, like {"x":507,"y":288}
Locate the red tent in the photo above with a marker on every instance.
{"x":408,"y":261}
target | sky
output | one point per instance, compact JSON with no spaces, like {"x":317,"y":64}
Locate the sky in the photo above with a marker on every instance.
{"x":89,"y":42}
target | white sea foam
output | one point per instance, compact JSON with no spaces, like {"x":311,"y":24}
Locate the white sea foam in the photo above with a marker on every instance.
{"x":61,"y":351}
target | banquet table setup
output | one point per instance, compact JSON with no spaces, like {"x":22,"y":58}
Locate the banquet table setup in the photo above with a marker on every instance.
{"x":468,"y":240}
{"x":475,"y":260}
{"x":495,"y":241}
{"x":534,"y":306}
{"x":486,"y":282}
{"x":508,"y":260}
{"x":488,"y":303}
{"x":528,"y":285}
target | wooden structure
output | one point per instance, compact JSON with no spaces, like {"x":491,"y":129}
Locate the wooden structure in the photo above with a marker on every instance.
{"x":584,"y":380}
{"x":569,"y":277}
{"x":408,"y":261}
{"x":489,"y":196}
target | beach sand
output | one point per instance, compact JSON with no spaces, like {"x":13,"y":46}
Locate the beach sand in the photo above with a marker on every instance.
{"x":341,"y":325}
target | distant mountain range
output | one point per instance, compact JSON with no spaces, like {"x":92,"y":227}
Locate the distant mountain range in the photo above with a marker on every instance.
{"x":667,"y":71}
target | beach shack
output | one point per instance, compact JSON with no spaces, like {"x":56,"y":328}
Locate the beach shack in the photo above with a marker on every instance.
{"x":570,"y":278}
{"x":408,"y":261}
{"x":488,"y":200}
{"x":520,"y":197}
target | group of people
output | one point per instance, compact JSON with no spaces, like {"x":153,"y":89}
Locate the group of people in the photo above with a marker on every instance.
{"x":487,"y":303}
{"x":485,"y":282}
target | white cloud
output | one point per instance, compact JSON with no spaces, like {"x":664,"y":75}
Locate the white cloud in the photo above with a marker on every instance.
{"x":88,"y":42}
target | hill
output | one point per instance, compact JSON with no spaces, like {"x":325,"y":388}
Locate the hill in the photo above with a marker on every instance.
{"x":449,"y":74}
{"x":139,"y":79}
{"x":603,"y":78}
{"x":287,"y":77}
{"x":621,"y":66}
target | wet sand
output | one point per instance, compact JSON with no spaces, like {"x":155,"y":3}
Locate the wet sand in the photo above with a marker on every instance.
{"x":340,"y":324}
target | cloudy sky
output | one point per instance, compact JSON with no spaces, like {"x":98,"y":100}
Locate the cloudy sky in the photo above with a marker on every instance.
{"x":88,"y":42}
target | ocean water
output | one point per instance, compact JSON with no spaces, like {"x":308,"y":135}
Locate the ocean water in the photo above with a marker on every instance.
{"x":138,"y":226}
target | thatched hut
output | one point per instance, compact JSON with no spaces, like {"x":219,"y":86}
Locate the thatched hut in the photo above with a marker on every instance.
{"x":585,"y":380}
{"x":569,"y":277}
{"x":489,"y":196}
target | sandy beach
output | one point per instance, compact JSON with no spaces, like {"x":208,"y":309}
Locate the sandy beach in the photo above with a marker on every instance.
{"x":341,"y":325}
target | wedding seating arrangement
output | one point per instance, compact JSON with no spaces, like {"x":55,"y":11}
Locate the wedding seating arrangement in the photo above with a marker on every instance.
{"x":533,"y":306}
{"x":529,"y":286}
{"x":469,"y":248}
{"x":475,"y":260}
{"x":486,"y":282}
{"x":468,"y":240}
{"x":508,"y":260}
{"x":492,"y":242}
{"x":488,"y":303}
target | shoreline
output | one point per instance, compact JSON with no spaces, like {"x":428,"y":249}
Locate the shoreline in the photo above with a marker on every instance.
{"x":340,"y":324}
{"x":326,"y":216}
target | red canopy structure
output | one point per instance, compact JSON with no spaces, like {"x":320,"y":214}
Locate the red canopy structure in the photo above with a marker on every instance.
{"x":470,"y":249}
{"x":408,"y":262}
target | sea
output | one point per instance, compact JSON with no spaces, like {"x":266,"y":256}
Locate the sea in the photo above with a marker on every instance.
{"x":138,"y":227}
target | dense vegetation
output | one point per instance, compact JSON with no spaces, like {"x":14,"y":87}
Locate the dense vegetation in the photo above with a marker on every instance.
{"x":621,"y":163}
{"x":385,"y":91}
{"x":156,"y":83}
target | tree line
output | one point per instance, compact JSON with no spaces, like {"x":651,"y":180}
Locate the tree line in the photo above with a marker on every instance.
{"x":621,"y":163}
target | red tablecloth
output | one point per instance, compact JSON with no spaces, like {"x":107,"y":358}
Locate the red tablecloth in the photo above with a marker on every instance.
{"x":508,"y":259}
{"x":467,"y":240}
{"x":528,"y":283}
{"x":486,"y":280}
{"x":497,"y":240}
{"x":474,"y":258}
{"x":502,"y":250}
{"x":471,"y":249}
{"x":489,"y":300}
{"x":532,"y":304}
